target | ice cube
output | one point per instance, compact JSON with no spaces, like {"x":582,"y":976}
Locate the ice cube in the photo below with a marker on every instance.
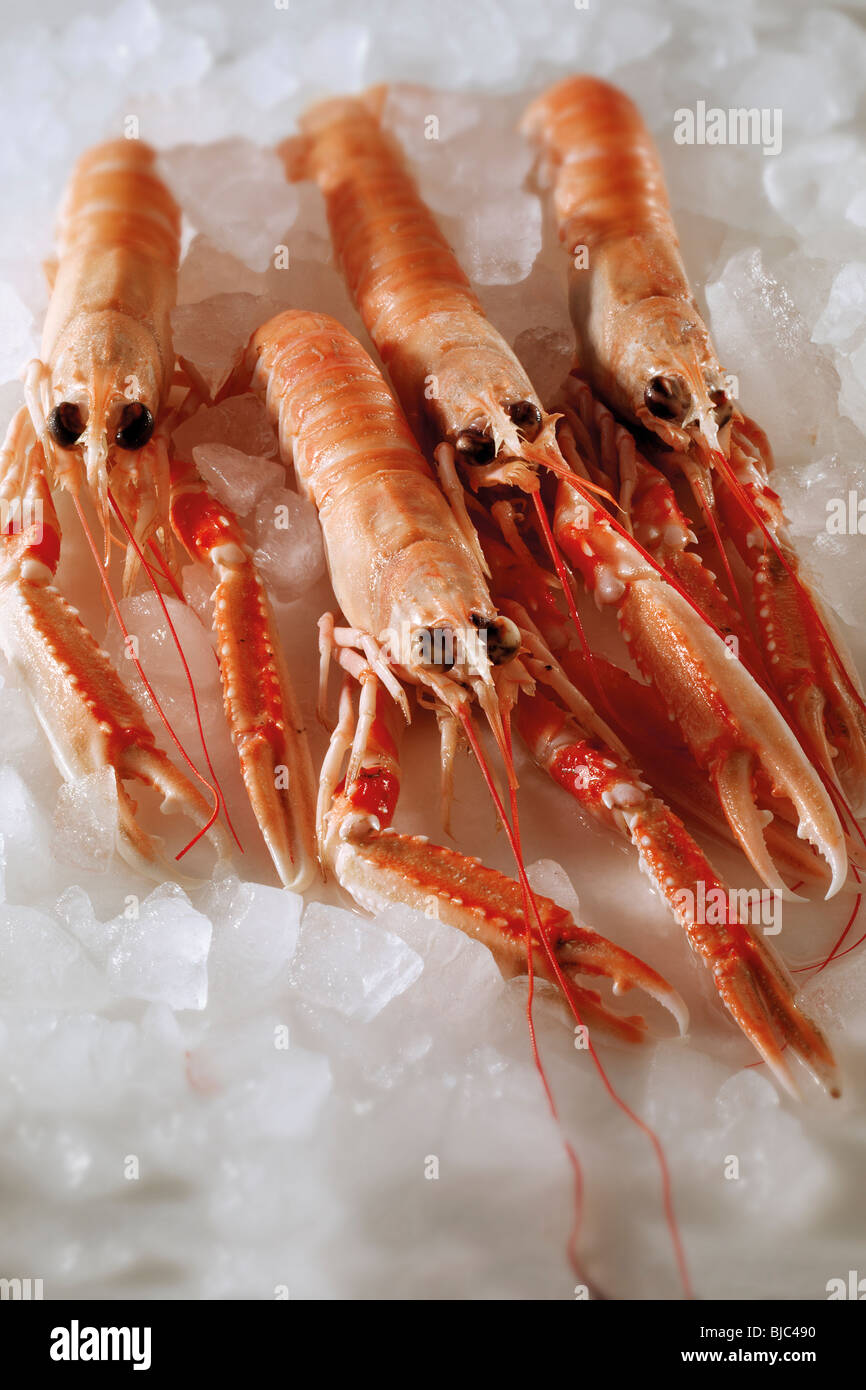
{"x":460,"y":974}
{"x":74,"y":910}
{"x":236,"y":193}
{"x":823,"y":483}
{"x":852,"y":393}
{"x":40,"y":964}
{"x":837,"y":995}
{"x":498,"y":238}
{"x":160,"y":951}
{"x":210,"y":337}
{"x":207,"y":270}
{"x":312,"y":283}
{"x":479,"y":168}
{"x":241,"y":422}
{"x":808,"y":280}
{"x":346,"y":963}
{"x":255,"y":937}
{"x":86,"y":821}
{"x":855,"y":212}
{"x":546,"y":354}
{"x":288,"y":539}
{"x":420,"y":117}
{"x":783,"y":377}
{"x":609,"y":38}
{"x":681,"y":1084}
{"x":749,"y":1089}
{"x":287,"y":1102}
{"x":538,"y":322}
{"x":198,"y":589}
{"x":239,"y":480}
{"x":183,"y":60}
{"x":150,"y":638}
{"x":706,"y":51}
{"x":721,"y":182}
{"x":337,"y":56}
{"x":813,"y":184}
{"x":129,"y":34}
{"x":156,"y":949}
{"x":838,"y":559}
{"x":762,"y":1135}
{"x":465,"y":48}
{"x":775,"y":81}
{"x":86,"y":1065}
{"x":835,"y":45}
{"x":263,"y":76}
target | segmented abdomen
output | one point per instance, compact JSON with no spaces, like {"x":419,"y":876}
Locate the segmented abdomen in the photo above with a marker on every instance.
{"x":445,"y":358}
{"x":394,"y":549}
{"x":394,"y":257}
{"x":606,"y":174}
{"x":116,"y":200}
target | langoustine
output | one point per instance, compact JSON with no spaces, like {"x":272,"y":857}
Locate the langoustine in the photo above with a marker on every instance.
{"x":467,"y":395}
{"x":96,"y":425}
{"x":420,"y":616}
{"x":643,"y":346}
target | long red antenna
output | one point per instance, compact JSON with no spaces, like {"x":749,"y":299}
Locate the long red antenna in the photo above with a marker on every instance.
{"x":528,"y":898}
{"x":162,"y":603}
{"x":835,"y":953}
{"x":148,"y":687}
{"x":513,"y":836}
{"x":164,"y":570}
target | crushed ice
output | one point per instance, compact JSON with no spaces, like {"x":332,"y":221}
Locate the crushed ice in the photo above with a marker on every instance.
{"x":307,"y":1099}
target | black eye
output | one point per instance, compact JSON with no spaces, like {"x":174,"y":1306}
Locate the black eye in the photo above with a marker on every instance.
{"x":476,"y":446}
{"x":503,"y":639}
{"x":666,"y":398}
{"x":136,"y":427}
{"x":65,"y":424}
{"x":527,"y":417}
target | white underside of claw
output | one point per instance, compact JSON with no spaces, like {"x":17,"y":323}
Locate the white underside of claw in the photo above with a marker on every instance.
{"x":342,"y":860}
{"x":762,"y":733}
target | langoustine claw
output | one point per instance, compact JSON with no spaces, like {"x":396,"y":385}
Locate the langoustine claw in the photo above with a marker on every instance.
{"x":585,"y":757}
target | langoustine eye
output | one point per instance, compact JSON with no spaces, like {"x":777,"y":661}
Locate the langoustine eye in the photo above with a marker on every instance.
{"x":666,"y":398}
{"x":501,"y":635}
{"x":475,"y":445}
{"x":527,"y":417}
{"x":135,"y":428}
{"x":65,"y":424}
{"x":441,"y":648}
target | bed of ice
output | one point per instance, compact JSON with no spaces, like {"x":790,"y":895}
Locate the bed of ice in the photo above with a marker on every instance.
{"x":222,"y":1092}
